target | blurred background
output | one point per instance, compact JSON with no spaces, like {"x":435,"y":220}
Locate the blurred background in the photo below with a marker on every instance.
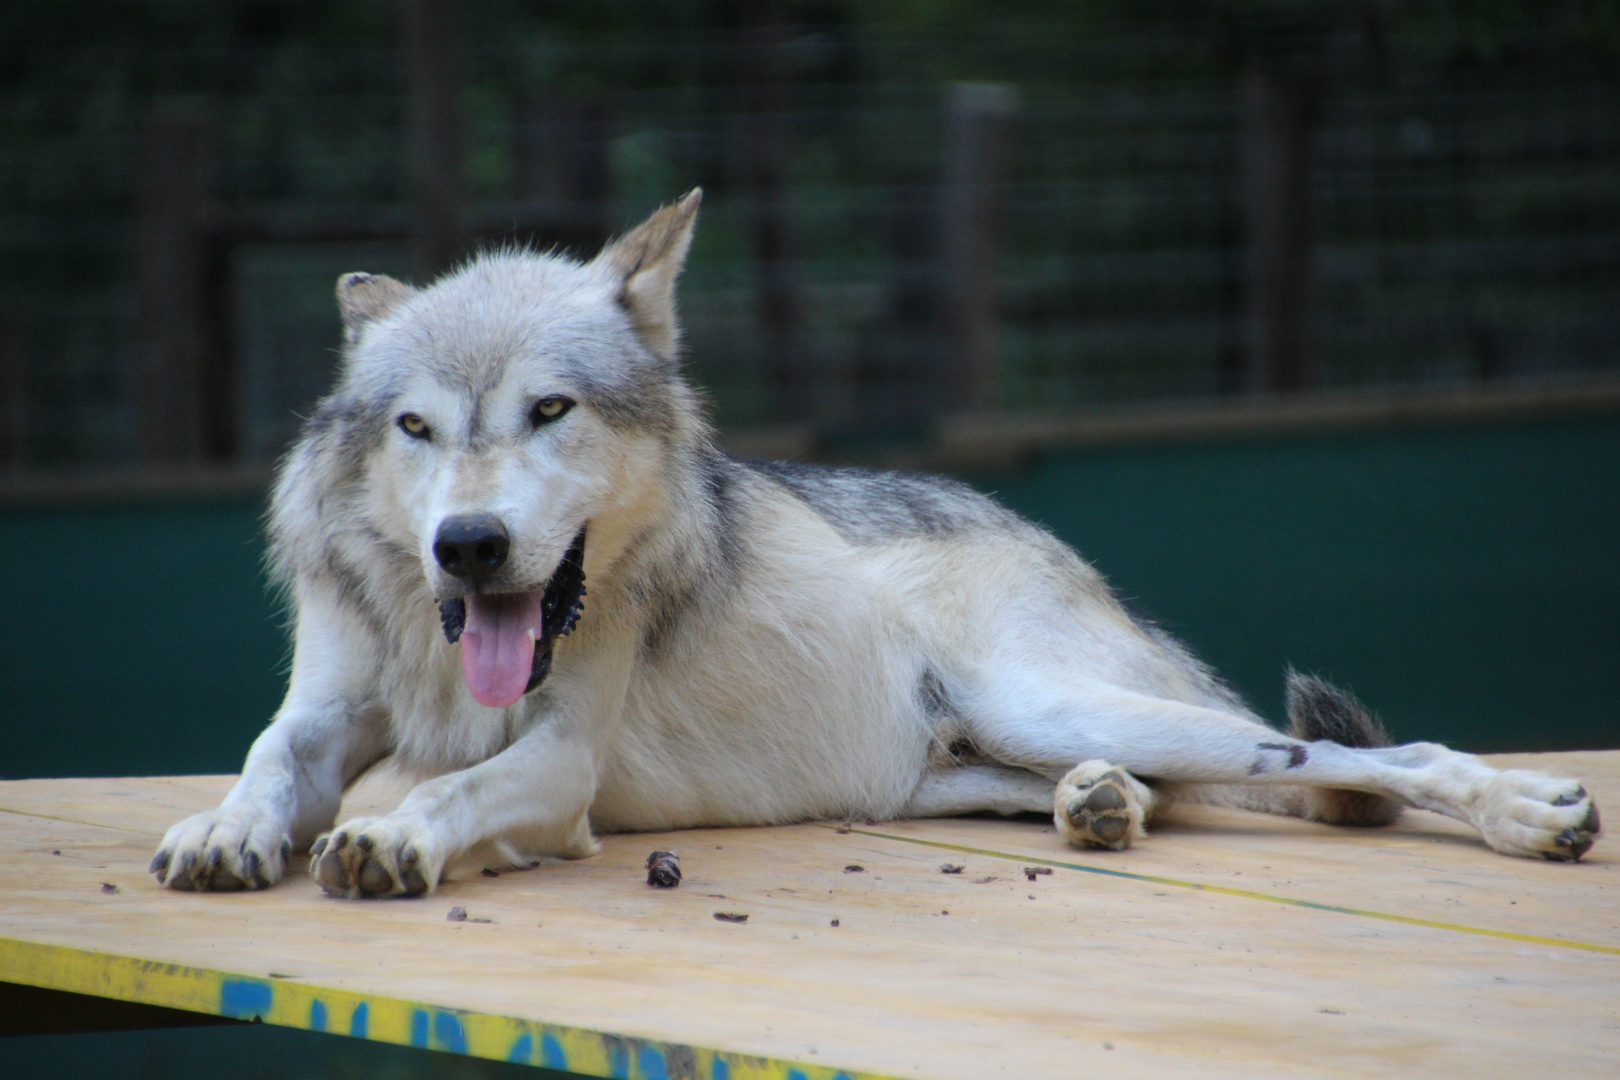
{"x":1299,"y":318}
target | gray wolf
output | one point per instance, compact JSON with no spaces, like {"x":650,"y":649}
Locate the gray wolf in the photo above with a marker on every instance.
{"x":521,"y":571}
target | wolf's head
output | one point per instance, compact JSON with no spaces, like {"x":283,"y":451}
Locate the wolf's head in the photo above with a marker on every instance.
{"x":487,"y":423}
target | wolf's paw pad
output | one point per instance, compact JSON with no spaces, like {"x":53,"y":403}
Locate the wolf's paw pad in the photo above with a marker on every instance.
{"x":371,"y":857}
{"x":222,"y":851}
{"x":1098,"y":805}
{"x":1524,"y":813}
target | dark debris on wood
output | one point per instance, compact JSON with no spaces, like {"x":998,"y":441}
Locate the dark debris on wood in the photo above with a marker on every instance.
{"x":663,"y":869}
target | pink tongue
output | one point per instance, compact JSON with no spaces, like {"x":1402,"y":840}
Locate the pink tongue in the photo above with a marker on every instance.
{"x":497,"y":651}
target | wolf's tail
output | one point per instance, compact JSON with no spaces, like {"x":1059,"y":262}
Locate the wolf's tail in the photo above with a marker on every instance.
{"x":1316,"y":710}
{"x":1319,"y":710}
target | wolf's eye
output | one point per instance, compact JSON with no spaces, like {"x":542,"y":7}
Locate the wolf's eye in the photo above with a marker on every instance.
{"x":548,"y":409}
{"x":414,"y":426}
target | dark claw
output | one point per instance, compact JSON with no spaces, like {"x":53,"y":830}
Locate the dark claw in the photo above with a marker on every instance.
{"x":286,"y":851}
{"x":250,"y":863}
{"x":374,"y":880}
{"x":314,"y":851}
{"x":415,"y":884}
{"x":363,"y":842}
{"x":216,"y":856}
{"x":339,"y":840}
{"x":409,"y":856}
{"x":160,"y":863}
{"x":1591,"y":822}
{"x":1571,"y":799}
{"x":1578,"y":843}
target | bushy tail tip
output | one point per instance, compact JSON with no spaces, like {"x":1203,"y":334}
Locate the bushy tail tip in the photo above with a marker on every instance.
{"x":1319,"y":710}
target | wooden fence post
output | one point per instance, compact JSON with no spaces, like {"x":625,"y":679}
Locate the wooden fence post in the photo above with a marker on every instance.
{"x":977,"y":119}
{"x":14,"y":389}
{"x":173,"y":185}
{"x":432,"y":80}
{"x":780,"y":312}
{"x":1277,"y":120}
{"x":897,"y":372}
{"x":560,"y":164}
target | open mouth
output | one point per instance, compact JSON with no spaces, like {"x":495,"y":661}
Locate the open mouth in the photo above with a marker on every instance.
{"x":507,"y":638}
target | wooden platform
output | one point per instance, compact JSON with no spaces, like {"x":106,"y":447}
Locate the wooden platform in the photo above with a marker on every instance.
{"x":1229,"y":945}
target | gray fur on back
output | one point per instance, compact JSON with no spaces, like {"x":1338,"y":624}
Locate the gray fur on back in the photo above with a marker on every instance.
{"x":869,"y":506}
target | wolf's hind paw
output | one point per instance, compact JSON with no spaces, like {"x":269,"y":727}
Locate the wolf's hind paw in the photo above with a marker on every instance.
{"x":1098,"y":805}
{"x":1524,"y":813}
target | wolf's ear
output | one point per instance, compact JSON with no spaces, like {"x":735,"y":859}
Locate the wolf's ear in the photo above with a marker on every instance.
{"x":364,"y":298}
{"x":645,"y":262}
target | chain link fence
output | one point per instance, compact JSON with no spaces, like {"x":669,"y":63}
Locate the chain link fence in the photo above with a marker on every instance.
{"x":900,"y":223}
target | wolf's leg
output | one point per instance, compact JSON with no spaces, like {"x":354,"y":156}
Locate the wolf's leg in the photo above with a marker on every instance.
{"x":972,"y":789}
{"x":293,"y":780}
{"x":533,"y":797}
{"x":1097,"y":805}
{"x":534,"y":794}
{"x":1517,"y":812}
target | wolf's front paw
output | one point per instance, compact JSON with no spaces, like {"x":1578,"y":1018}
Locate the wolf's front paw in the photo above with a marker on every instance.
{"x":1099,"y":805}
{"x":1525,"y":813}
{"x":224,"y":851}
{"x":370,"y":857}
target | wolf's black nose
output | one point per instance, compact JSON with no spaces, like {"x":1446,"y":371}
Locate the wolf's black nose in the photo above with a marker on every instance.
{"x":471,"y":546}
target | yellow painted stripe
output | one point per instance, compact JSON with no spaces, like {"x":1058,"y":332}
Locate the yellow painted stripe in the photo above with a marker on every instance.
{"x":1506,"y":935}
{"x":296,"y":1004}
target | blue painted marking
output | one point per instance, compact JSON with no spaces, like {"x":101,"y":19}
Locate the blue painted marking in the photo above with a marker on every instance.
{"x":719,"y":1070}
{"x":652,"y":1064}
{"x":419,"y":1027}
{"x":795,"y":1074}
{"x":522,"y":1050}
{"x":360,"y":1021}
{"x":551,"y":1053}
{"x":245,"y":999}
{"x":317,"y":1016}
{"x":842,"y":1076}
{"x":619,"y":1062}
{"x":448,"y":1034}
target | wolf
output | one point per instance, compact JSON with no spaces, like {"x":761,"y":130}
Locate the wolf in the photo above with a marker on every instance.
{"x":521,"y":571}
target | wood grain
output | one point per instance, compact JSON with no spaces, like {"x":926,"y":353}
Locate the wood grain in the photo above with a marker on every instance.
{"x":1144,"y":966}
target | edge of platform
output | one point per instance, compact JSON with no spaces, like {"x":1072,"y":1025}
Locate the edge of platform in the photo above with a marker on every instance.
{"x":299,"y":1004}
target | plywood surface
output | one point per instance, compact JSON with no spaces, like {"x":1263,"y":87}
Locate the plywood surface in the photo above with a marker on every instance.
{"x":1229,"y":944}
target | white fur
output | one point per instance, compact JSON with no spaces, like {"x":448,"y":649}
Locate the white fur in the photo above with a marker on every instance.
{"x":748,"y":654}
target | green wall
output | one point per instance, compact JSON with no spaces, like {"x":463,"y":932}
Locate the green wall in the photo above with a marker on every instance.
{"x":1463,"y":580}
{"x":140,"y":640}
